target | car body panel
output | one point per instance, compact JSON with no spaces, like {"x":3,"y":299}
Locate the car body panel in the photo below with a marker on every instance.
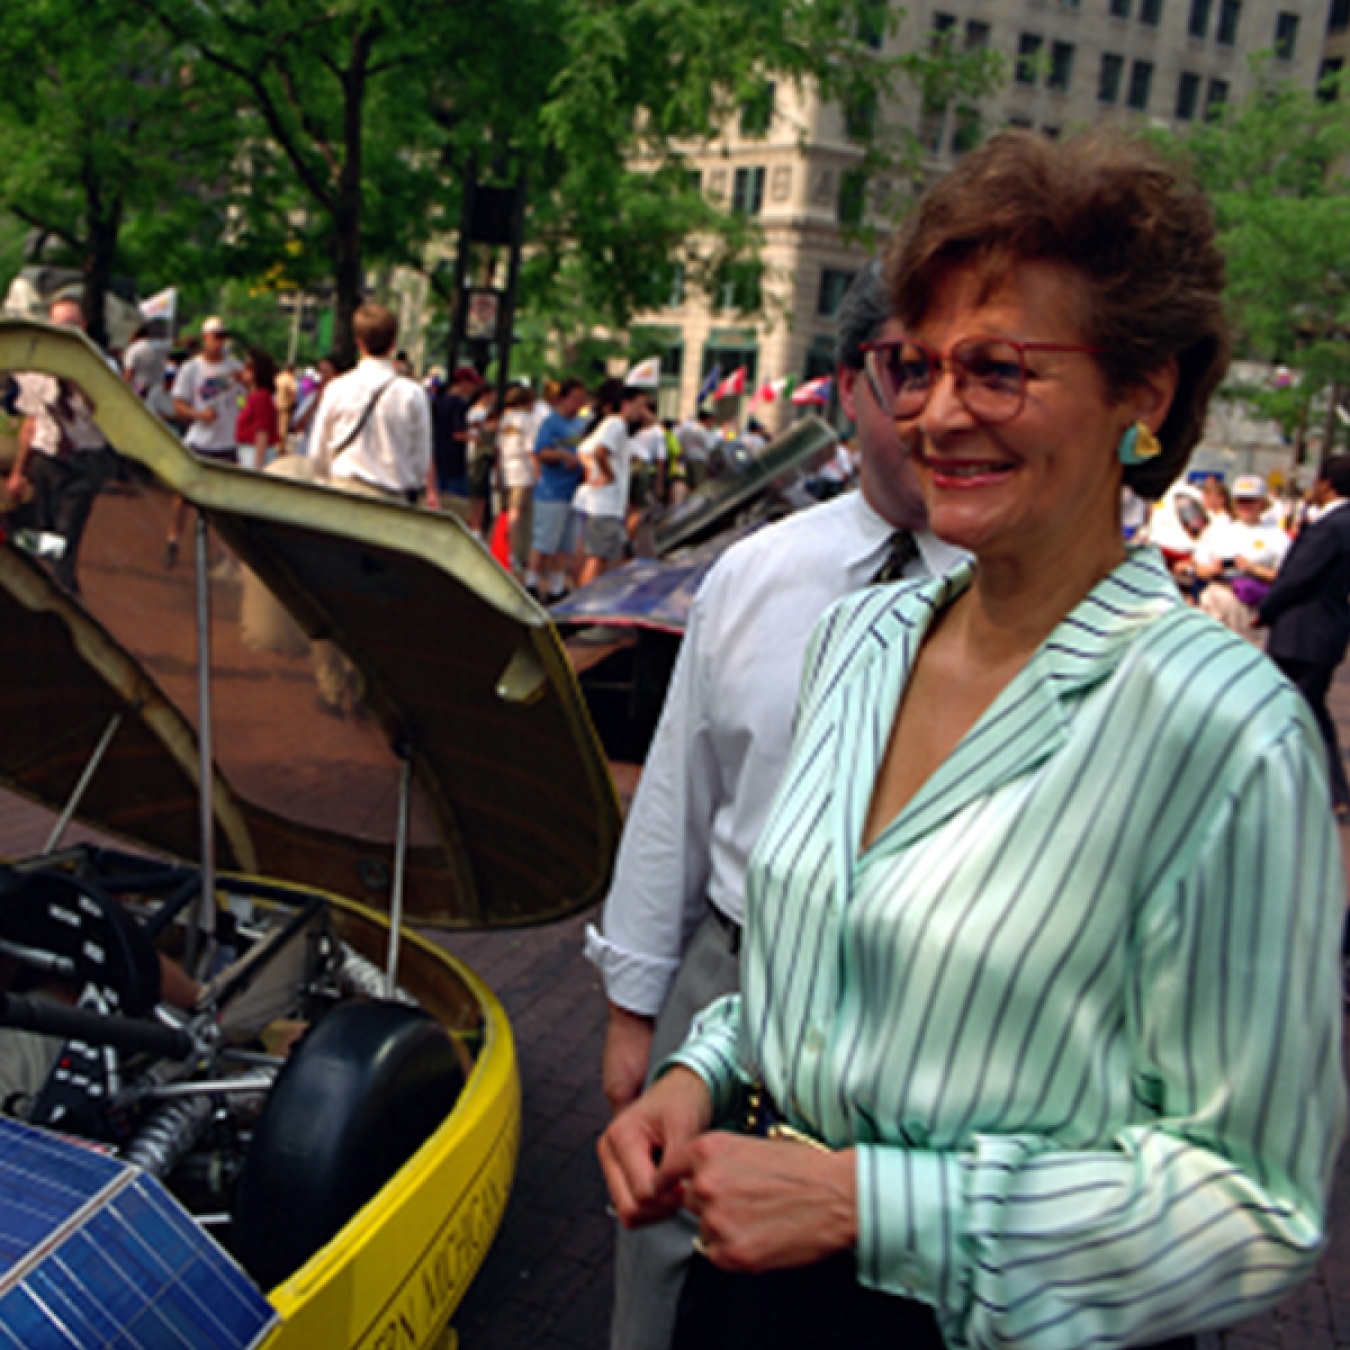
{"x":514,"y":818}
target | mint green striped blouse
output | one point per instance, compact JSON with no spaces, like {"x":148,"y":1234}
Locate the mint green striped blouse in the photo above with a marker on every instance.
{"x":1078,"y":1006}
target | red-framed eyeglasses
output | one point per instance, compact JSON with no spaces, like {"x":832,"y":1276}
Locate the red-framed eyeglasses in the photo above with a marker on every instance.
{"x":988,"y":373}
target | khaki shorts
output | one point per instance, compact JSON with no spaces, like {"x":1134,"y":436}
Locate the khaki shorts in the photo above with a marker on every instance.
{"x":605,"y":537}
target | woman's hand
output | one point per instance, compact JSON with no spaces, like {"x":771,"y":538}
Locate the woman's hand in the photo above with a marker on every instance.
{"x":663,"y":1122}
{"x":767,"y":1205}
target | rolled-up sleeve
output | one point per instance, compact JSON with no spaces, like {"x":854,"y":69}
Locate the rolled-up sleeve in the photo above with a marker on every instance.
{"x":659,"y":891}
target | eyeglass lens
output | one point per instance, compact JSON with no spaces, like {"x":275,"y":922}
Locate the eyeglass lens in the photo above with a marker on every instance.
{"x":987,"y":372}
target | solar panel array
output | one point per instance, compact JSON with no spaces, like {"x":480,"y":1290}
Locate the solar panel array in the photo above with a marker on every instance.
{"x":94,"y":1253}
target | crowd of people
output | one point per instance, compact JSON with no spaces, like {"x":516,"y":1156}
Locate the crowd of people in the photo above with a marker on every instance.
{"x":568,"y":472}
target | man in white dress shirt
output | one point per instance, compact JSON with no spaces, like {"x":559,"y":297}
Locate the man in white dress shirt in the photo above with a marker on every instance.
{"x":671,"y":928}
{"x":372,"y":433}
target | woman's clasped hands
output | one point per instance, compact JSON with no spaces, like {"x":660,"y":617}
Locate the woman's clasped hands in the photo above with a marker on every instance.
{"x":761,"y":1204}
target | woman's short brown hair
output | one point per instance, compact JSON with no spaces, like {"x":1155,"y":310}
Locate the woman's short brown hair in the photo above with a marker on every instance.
{"x":1139,"y":233}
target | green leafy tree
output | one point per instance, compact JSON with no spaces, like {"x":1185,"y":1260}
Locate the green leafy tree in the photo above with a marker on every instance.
{"x":363,"y":120}
{"x":1274,"y":166}
{"x":112,"y":147}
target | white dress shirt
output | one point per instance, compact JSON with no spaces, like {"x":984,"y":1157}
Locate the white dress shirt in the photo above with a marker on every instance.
{"x":393,"y":449}
{"x":724,"y":735}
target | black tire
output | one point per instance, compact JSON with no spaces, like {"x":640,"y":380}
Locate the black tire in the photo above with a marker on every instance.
{"x":357,"y":1098}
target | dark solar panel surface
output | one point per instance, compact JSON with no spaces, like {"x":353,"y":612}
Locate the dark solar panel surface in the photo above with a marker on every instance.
{"x":95,"y":1254}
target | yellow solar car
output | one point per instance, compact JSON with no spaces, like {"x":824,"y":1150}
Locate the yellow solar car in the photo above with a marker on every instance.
{"x":324,"y":721}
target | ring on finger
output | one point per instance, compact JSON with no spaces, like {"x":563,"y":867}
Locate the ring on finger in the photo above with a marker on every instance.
{"x":699,"y":1246}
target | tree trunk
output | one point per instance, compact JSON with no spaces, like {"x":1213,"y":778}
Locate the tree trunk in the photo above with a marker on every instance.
{"x":348,"y":274}
{"x":103,"y":225}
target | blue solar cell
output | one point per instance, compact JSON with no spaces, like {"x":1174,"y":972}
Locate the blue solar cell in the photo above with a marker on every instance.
{"x":31,"y":1327}
{"x":72,"y":1304}
{"x":136,"y":1274}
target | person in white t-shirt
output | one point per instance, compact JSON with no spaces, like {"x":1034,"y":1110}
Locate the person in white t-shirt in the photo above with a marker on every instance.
{"x":1239,"y":558}
{"x":606,"y":461}
{"x":206,"y":394}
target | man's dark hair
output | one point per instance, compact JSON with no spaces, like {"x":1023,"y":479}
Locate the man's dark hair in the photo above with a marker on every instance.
{"x":1336,"y":471}
{"x":375,"y":328}
{"x":569,"y":385}
{"x":863,"y":310}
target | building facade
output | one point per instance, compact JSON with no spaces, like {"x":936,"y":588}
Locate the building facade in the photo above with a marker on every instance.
{"x":792,"y":164}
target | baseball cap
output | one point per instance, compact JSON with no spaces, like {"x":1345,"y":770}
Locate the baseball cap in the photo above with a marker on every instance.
{"x":466,"y":374}
{"x":1250,"y":485}
{"x":213,"y":325}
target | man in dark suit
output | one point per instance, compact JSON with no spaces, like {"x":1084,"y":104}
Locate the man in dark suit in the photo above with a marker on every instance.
{"x":1308,"y":611}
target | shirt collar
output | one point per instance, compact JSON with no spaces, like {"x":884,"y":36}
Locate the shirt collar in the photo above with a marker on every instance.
{"x":873,"y":535}
{"x":1088,"y":643}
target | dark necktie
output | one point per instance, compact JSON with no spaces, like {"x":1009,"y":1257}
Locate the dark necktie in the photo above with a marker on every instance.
{"x":901,"y":550}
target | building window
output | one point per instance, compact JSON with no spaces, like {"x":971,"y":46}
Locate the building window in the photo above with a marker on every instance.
{"x":860,"y":115}
{"x":1215,"y":98}
{"x":1340,"y":16}
{"x":1188,"y":96}
{"x":667,"y":344}
{"x":1230,"y":14}
{"x":1286,"y":35}
{"x":969,"y":130}
{"x":757,"y":112}
{"x":1020,"y":123}
{"x":977,"y":35}
{"x":675,"y":296}
{"x":1050,"y":133}
{"x":852,"y":196}
{"x":1198,"y":27}
{"x":1141,"y":84}
{"x":728,"y":352}
{"x":738,"y":287}
{"x":1120,"y":9}
{"x":1150,"y":13}
{"x":1061,"y":66}
{"x":747,"y":194}
{"x":834,"y":286}
{"x":1108,"y":81}
{"x":1328,"y":81}
{"x":872,"y":24}
{"x":1028,"y":58}
{"x":932,"y":128}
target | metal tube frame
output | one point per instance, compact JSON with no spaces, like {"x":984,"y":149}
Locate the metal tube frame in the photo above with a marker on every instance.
{"x":86,"y":777}
{"x":400,"y":861}
{"x":201,"y":917}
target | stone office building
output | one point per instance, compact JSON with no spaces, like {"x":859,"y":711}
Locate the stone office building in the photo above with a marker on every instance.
{"x":791,"y":163}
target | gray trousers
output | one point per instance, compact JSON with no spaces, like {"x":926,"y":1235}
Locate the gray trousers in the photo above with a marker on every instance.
{"x":650,"y":1263}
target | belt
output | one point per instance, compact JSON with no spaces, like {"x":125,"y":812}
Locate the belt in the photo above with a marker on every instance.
{"x":729,"y":926}
{"x":764,"y":1120}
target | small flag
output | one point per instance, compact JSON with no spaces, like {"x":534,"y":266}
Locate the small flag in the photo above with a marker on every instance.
{"x":766,"y":393}
{"x":645,"y":375}
{"x":162,"y":305}
{"x":814,"y":391}
{"x":710,"y":382}
{"x":733,"y":385}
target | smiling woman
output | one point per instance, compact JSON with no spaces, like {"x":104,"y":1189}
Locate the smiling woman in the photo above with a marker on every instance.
{"x":1041,"y":934}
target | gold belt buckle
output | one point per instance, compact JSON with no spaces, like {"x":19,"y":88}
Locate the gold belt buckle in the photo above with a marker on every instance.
{"x":778,"y":1130}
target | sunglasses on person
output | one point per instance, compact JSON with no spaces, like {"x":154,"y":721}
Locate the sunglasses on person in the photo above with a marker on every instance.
{"x":989,"y":374}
